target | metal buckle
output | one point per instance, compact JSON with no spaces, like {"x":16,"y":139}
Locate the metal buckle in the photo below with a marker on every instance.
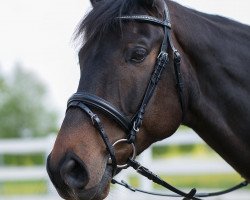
{"x":132,"y":157}
{"x":134,"y":128}
{"x":93,"y":119}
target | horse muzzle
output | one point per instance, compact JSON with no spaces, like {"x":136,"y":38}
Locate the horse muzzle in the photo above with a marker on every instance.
{"x":71,"y":178}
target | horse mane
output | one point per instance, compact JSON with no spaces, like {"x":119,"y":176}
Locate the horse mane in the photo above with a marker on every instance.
{"x":222,"y":21}
{"x":102,"y":18}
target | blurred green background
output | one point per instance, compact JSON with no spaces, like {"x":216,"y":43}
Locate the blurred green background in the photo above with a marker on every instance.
{"x":25,"y":113}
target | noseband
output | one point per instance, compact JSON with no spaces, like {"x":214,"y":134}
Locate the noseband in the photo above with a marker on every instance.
{"x":85,"y":101}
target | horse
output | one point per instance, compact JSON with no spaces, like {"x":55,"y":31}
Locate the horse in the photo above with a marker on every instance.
{"x":134,"y":91}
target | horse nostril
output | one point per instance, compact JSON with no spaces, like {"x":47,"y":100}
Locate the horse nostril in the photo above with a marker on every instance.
{"x":74,"y":173}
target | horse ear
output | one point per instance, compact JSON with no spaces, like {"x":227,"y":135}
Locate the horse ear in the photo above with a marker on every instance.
{"x":94,"y":2}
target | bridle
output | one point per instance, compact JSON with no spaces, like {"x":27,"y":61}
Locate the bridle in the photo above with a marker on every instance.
{"x":85,"y":101}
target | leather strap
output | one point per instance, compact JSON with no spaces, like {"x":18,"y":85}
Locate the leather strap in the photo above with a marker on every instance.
{"x":146,"y":18}
{"x":104,"y":106}
{"x":98,"y":125}
{"x":161,"y":63}
{"x":179,"y":82}
{"x":178,"y":193}
{"x":156,"y":179}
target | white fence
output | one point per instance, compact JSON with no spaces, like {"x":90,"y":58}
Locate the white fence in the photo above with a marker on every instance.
{"x":170,"y":166}
{"x":27,"y":146}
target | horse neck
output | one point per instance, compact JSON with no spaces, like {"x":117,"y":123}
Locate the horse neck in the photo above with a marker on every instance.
{"x":216,"y":80}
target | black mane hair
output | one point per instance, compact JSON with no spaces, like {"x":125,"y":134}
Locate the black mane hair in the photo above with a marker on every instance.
{"x":103,"y":18}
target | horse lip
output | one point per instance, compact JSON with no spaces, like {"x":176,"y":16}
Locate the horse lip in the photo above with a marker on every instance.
{"x":99,"y":192}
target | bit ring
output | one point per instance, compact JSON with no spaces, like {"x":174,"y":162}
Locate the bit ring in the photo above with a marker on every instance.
{"x":133,"y":154}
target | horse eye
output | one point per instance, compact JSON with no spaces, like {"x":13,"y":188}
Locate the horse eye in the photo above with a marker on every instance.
{"x":138,"y":55}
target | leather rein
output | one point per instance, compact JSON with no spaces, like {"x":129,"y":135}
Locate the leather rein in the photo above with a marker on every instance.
{"x":85,"y":101}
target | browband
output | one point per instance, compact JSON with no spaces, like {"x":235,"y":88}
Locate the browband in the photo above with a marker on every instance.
{"x":146,"y":18}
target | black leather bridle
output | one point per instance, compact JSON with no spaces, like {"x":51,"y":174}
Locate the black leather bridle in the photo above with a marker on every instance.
{"x":85,"y":101}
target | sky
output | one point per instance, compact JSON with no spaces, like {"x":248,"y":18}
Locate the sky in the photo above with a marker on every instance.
{"x":38,"y":35}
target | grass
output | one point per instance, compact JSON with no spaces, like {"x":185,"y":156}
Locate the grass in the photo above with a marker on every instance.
{"x":203,"y":181}
{"x":22,"y":159}
{"x":197,"y":150}
{"x":193,"y":150}
{"x":207,"y":181}
{"x":23,"y":188}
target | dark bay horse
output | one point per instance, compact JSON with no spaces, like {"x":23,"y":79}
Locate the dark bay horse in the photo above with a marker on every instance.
{"x":116,"y":62}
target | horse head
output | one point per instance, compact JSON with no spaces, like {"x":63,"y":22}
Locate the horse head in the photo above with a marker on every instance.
{"x":117,"y":62}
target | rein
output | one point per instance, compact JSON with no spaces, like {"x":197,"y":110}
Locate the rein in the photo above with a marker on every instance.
{"x":84,"y":100}
{"x":178,"y":193}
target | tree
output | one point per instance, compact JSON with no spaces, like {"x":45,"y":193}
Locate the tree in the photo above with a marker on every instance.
{"x":23,"y":109}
